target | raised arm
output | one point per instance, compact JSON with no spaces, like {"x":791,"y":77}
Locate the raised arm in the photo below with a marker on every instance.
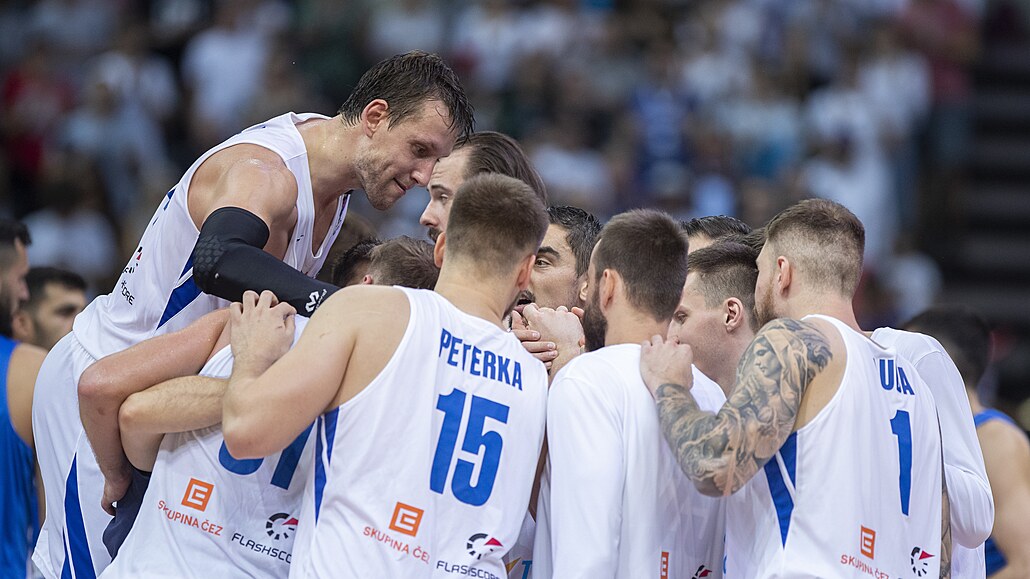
{"x":243,"y":200}
{"x":105,"y":385}
{"x":721,"y":452}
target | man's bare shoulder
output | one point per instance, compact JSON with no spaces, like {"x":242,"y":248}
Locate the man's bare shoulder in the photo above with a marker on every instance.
{"x":27,"y":356}
{"x":383,"y":304}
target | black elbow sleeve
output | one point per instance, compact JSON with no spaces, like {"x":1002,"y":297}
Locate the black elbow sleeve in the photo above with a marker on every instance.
{"x":229,"y":259}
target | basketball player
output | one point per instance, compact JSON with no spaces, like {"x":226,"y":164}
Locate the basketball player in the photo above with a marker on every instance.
{"x":258,"y":211}
{"x":615,"y":502}
{"x":399,"y":261}
{"x":481,"y":152}
{"x":1006,"y":450}
{"x":56,"y":296}
{"x":387,"y":366}
{"x":19,"y":364}
{"x":716,"y":314}
{"x":804,"y":447}
{"x":171,"y":430}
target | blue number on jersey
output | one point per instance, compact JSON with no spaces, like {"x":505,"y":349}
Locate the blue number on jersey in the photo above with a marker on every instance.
{"x":902,"y":428}
{"x":476,"y":437}
{"x":284,"y":469}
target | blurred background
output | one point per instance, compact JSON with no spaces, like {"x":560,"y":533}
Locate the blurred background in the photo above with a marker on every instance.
{"x":913,"y":113}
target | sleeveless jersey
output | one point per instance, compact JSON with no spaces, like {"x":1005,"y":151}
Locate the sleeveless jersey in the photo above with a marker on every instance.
{"x":427,"y":472}
{"x":18,"y":505}
{"x":630,"y":512}
{"x":856,"y":492}
{"x":213,"y":515}
{"x":995,"y":559}
{"x":155,"y":294}
{"x":972,"y":505}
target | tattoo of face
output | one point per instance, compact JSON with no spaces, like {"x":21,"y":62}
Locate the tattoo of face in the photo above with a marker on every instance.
{"x":721,"y":452}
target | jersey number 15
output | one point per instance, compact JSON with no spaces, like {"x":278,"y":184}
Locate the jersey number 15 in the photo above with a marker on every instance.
{"x":476,"y":438}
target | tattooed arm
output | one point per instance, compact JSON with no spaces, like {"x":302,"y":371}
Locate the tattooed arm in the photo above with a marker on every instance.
{"x":720,"y":452}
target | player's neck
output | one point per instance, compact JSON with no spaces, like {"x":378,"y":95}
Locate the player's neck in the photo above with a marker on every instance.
{"x":828,"y":305}
{"x":330,"y":146}
{"x":478,"y":299}
{"x":727,"y":372}
{"x":629,"y":326}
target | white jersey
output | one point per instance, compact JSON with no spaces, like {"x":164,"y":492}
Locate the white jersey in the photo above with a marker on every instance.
{"x":972,"y":504}
{"x":427,"y":472}
{"x":615,"y":502}
{"x":155,"y":294}
{"x":213,"y":515}
{"x":856,"y":492}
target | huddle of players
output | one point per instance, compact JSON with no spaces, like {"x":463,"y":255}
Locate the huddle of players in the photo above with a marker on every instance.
{"x":244,"y":446}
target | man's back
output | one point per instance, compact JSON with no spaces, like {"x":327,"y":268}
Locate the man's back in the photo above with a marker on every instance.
{"x":427,"y":471}
{"x":616,"y":501}
{"x":856,"y":489}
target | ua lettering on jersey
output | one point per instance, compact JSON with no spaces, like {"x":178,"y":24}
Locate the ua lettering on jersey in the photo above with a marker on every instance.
{"x":427,"y":471}
{"x":856,"y":492}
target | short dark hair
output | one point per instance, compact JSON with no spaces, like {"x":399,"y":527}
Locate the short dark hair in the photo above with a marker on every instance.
{"x":964,"y":334}
{"x":493,"y":152}
{"x":715,"y":227}
{"x":646,"y":248}
{"x":824,"y":240}
{"x":407,"y":81}
{"x":724,"y":270}
{"x":581,"y":231}
{"x":346,"y":266}
{"x":405,"y":262}
{"x":39,"y":277}
{"x":755,"y":240}
{"x":495,"y":222}
{"x":11,"y":231}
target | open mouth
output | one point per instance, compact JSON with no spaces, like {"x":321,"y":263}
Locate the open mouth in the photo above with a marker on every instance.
{"x":523,"y":300}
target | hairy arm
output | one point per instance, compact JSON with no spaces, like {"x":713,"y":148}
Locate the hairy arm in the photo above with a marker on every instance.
{"x":105,"y":385}
{"x":176,"y":405}
{"x":721,"y":452}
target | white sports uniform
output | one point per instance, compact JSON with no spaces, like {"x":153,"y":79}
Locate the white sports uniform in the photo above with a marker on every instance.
{"x":972,"y":505}
{"x":615,"y":502}
{"x":427,"y":472}
{"x":856,"y":492}
{"x":212,"y":515}
{"x":155,"y":294}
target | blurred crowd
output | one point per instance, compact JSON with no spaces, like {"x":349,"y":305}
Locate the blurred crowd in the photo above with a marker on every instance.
{"x":699,"y":107}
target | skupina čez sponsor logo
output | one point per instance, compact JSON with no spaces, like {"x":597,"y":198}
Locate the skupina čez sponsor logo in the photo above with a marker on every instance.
{"x":867,"y":548}
{"x":405,"y":520}
{"x":477,"y":546}
{"x":198,"y":494}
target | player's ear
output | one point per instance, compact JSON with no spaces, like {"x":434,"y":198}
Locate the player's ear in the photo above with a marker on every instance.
{"x":438,"y":249}
{"x":374,"y":116}
{"x":784,"y":273}
{"x":23,"y":328}
{"x":582,"y":294}
{"x":610,"y":283}
{"x":733,"y":311}
{"x":367,"y":280}
{"x":525,"y":271}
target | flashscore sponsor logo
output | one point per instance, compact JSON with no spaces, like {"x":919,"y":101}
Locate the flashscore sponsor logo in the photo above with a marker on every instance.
{"x":261,"y":548}
{"x":465,"y":570}
{"x":702,"y":571}
{"x":281,"y":526}
{"x":920,"y":560}
{"x":482,"y":544}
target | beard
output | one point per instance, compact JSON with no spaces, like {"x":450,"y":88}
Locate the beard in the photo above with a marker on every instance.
{"x":595,"y":326}
{"x":764,"y":309}
{"x":433,"y":233}
{"x":375,"y":183}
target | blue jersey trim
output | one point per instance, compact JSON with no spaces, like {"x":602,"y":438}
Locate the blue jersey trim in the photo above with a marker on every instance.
{"x":326,"y":430}
{"x":781,"y":496}
{"x":182,"y":296}
{"x":986,"y":416}
{"x":82,"y":561}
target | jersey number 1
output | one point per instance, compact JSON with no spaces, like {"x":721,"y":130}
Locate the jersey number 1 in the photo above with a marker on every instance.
{"x":476,"y":438}
{"x":902,"y":428}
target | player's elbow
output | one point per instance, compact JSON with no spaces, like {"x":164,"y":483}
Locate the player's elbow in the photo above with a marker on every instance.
{"x":96,"y":386}
{"x":243,"y":440}
{"x":133,"y":417}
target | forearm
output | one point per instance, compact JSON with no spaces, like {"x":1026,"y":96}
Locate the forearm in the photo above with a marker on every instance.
{"x":972,"y":514}
{"x":701,"y":442}
{"x":99,"y":417}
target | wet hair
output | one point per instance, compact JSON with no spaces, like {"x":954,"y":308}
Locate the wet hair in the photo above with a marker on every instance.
{"x":346,"y":267}
{"x":715,"y":227}
{"x":493,"y":152}
{"x":407,"y":81}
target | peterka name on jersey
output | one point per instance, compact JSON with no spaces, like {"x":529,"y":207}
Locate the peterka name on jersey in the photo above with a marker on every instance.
{"x":480,"y":362}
